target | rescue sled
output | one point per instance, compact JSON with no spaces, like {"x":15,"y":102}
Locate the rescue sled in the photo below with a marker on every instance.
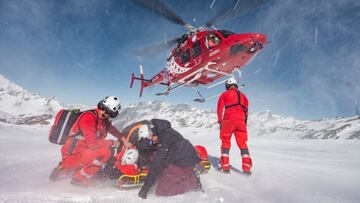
{"x":131,"y":181}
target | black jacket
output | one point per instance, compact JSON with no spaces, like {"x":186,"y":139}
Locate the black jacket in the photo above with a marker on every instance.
{"x":173,"y":148}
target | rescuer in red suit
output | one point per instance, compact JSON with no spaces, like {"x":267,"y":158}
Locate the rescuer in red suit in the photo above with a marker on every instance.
{"x":233,"y":120}
{"x":86,"y":151}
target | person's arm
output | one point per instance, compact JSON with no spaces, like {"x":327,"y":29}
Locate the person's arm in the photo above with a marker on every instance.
{"x":121,"y":137}
{"x":156,"y":167}
{"x":246,"y":106}
{"x":220,"y":108}
{"x":115,"y":132}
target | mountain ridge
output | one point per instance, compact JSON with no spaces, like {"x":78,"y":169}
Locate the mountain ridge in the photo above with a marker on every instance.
{"x":20,"y":107}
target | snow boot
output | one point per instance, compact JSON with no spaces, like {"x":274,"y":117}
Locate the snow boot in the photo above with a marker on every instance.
{"x":223,"y":170}
{"x":246,"y":165}
{"x":226,"y":171}
{"x":58,"y":173}
{"x":224,"y":164}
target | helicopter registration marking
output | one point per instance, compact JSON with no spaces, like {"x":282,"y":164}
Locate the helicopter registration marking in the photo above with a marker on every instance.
{"x":214,"y":52}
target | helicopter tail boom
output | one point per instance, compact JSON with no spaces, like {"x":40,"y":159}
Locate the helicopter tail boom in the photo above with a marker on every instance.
{"x":157,"y":79}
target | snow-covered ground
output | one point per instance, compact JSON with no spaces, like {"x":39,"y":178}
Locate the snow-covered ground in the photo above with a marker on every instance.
{"x":285,"y":170}
{"x":324,"y":167}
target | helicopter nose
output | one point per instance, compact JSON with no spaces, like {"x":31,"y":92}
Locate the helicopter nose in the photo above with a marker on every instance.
{"x":260,"y":38}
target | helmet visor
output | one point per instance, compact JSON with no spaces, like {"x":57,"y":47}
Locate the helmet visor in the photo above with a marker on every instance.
{"x":109,"y":111}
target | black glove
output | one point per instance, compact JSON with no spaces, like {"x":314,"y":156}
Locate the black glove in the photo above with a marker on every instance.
{"x":220,"y":125}
{"x":143,"y":192}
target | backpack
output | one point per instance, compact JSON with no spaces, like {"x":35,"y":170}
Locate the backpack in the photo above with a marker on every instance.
{"x":63,"y":123}
{"x":204,"y":164}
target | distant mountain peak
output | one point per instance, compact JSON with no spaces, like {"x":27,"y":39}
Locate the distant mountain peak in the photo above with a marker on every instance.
{"x":19,"y":106}
{"x":6,"y":84}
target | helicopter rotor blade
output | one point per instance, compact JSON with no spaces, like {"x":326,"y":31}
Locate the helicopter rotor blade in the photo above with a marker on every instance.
{"x":156,"y":48}
{"x":164,"y":11}
{"x":240,"y":7}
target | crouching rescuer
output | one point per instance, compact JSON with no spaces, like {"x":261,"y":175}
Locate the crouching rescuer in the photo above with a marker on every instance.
{"x":233,"y":120}
{"x":173,"y":162}
{"x":86,"y":151}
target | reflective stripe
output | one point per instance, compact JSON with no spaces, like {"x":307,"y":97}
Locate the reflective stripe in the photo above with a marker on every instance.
{"x":86,"y":175}
{"x":225,"y":165}
{"x":63,"y":127}
{"x":245,"y":156}
{"x":98,"y":163}
{"x":225,"y":155}
{"x":79,"y":137}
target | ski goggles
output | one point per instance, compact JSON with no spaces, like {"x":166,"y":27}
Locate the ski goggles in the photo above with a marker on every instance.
{"x":108,"y":111}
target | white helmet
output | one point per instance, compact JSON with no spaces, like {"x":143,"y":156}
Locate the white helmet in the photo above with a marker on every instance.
{"x":110,"y":105}
{"x":144,"y":132}
{"x":130,"y":157}
{"x":229,"y":82}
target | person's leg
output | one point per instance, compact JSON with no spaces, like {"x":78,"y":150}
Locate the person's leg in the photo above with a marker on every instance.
{"x":69,"y":163}
{"x":65,"y":168}
{"x":177,"y":180}
{"x":241,"y":139}
{"x":93,"y":162}
{"x":225,"y":136}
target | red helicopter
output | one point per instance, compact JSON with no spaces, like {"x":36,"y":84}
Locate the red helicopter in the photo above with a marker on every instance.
{"x":202,"y":55}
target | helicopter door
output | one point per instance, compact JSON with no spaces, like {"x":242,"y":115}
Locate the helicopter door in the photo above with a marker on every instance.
{"x":212,"y":40}
{"x":195,"y":52}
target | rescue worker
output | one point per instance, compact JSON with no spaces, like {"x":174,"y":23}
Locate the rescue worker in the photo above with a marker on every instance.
{"x":212,"y":40}
{"x":86,"y":151}
{"x":233,"y":120}
{"x":173,"y":162}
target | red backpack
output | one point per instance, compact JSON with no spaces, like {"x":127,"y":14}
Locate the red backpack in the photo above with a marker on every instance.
{"x":63,"y":123}
{"x":204,"y":164}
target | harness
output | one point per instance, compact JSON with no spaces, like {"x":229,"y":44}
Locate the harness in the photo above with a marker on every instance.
{"x":244,"y":108}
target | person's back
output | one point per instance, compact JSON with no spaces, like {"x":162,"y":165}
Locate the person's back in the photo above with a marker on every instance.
{"x":229,"y":100}
{"x":180,"y":151}
{"x":173,"y":162}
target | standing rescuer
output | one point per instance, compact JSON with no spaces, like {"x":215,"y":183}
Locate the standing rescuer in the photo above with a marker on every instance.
{"x":86,"y":151}
{"x":233,"y":120}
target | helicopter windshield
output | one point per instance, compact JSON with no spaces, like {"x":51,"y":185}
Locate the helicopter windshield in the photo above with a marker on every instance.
{"x":226,"y":33}
{"x":212,"y":40}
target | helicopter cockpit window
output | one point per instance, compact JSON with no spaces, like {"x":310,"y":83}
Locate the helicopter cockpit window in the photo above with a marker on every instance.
{"x":212,"y":40}
{"x":226,"y":33}
{"x":185,"y":56}
{"x":196,"y":50}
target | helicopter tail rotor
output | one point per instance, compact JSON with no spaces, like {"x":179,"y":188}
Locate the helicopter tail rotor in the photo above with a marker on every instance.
{"x":157,"y":79}
{"x":141,"y":78}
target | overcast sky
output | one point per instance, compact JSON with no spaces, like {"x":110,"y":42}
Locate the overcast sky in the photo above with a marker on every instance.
{"x":80,"y":51}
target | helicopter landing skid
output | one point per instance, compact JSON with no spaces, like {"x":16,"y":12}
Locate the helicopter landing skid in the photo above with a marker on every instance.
{"x":204,"y":99}
{"x":167,"y":91}
{"x":161,"y":93}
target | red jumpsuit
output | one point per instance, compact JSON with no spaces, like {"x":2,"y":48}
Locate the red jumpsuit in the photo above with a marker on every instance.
{"x":233,"y":120}
{"x":87,"y":151}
